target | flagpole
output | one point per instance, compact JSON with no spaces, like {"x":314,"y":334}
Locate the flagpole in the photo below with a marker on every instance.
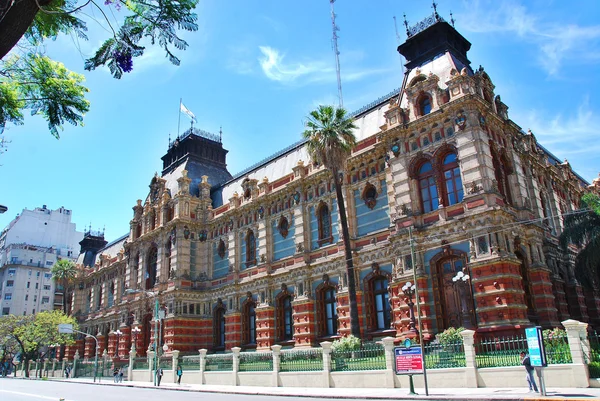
{"x":179,"y":121}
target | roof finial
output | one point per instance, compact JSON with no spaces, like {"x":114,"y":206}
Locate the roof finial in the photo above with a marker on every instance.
{"x":406,"y":25}
{"x":221,"y":134}
{"x":451,"y":19}
{"x":169,"y":140}
{"x":437,"y":17}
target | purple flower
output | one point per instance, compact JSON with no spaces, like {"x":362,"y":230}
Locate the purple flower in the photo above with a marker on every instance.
{"x":124,"y":61}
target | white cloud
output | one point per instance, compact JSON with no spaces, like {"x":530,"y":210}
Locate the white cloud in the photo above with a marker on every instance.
{"x":555,"y":40}
{"x":571,"y":136}
{"x":276,"y":68}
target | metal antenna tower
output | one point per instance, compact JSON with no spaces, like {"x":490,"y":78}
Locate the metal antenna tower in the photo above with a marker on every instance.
{"x":337,"y":53}
{"x":399,"y":43}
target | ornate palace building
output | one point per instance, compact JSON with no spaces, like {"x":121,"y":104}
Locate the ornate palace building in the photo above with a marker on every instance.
{"x":257,"y":259}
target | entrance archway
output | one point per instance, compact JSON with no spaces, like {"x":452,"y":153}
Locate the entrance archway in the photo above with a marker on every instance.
{"x":454,"y":299}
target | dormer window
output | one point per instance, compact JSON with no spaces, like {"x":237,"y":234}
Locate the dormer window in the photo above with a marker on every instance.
{"x":424,"y":105}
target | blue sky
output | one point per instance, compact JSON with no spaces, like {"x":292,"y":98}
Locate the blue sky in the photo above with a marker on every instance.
{"x":256,"y":68}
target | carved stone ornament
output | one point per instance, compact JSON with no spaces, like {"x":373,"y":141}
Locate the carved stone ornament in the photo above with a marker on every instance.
{"x":474,"y":188}
{"x":174,"y":235}
{"x":261,"y":212}
{"x":296,"y":197}
{"x":186,"y":232}
{"x":395,"y":149}
{"x":299,"y":247}
{"x":375,"y":266}
{"x":461,"y":121}
{"x":326,"y":278}
{"x":482,"y":122}
{"x":283,"y":226}
{"x":203,"y":235}
{"x":230,"y":224}
{"x":263,"y":258}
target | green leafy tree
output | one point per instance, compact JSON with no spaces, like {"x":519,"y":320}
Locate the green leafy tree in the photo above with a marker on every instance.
{"x":583,"y":231}
{"x":329,"y":141}
{"x":36,"y":334}
{"x":31,"y":81}
{"x":64,"y":273}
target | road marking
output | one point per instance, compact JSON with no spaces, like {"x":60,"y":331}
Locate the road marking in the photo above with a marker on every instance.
{"x":30,"y":395}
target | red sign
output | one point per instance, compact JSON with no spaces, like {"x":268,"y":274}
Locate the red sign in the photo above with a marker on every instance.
{"x":408,"y":360}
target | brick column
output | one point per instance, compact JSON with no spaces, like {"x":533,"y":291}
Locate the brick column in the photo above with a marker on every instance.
{"x":265,"y":326}
{"x":575,"y":332}
{"x":233,"y":330}
{"x":468,"y":337}
{"x":304,"y":321}
{"x":326,"y":346}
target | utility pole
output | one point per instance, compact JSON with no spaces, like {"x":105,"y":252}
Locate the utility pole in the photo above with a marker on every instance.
{"x":337,"y":54}
{"x":414,"y":269}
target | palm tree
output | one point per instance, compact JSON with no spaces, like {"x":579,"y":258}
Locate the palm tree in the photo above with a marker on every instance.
{"x":583,"y":231}
{"x":63,"y":273}
{"x":329,"y":141}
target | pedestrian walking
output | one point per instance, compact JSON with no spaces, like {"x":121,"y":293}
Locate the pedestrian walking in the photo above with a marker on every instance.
{"x":116,"y":374}
{"x":159,"y":373}
{"x":120,"y":379}
{"x":179,"y":374}
{"x":526,"y":361}
{"x":67,"y":372}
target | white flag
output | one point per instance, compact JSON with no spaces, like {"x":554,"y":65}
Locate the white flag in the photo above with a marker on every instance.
{"x":186,"y":111}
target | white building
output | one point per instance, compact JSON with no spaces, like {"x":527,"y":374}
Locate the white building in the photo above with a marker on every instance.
{"x":29,"y":247}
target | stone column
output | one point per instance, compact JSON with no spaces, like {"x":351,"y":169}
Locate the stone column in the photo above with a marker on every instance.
{"x":388,"y":345}
{"x":468,"y":337}
{"x":132,"y":356}
{"x":175,"y":356}
{"x":236,"y":364}
{"x":202,"y":364}
{"x":74,"y":370}
{"x":326,"y":346}
{"x":276,"y":363}
{"x":575,"y":332}
{"x":150,"y":356}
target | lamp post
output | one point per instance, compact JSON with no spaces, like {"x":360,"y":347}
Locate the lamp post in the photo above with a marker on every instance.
{"x":118,"y":334}
{"x":135,"y":331}
{"x":461,"y":281}
{"x":409,"y":290}
{"x":68,"y":329}
{"x":156,"y":307}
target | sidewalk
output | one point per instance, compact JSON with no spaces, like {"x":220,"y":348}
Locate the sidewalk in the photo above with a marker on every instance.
{"x":497,"y":394}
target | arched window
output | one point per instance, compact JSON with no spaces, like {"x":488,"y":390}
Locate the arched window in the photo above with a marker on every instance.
{"x":250,"y":249}
{"x":283,"y":226}
{"x":324,"y":220}
{"x":327,"y":310}
{"x":151,"y":268}
{"x":111,"y":294}
{"x":168,"y":258}
{"x":219,"y":327}
{"x":370,"y":196}
{"x":249,"y":322}
{"x":221,"y":249}
{"x":454,"y":187}
{"x":286,"y":321}
{"x":427,"y":188}
{"x":88,"y":305}
{"x":501,"y":171}
{"x":381,"y":303}
{"x":99,"y":299}
{"x":424,"y":105}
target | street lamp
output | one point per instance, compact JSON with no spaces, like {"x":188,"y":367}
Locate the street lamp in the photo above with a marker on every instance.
{"x":462,"y":281}
{"x":409,"y":290}
{"x":118,"y":334}
{"x":135,"y":331}
{"x":66,"y":328}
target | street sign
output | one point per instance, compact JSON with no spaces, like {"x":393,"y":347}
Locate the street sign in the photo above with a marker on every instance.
{"x":408,"y":360}
{"x":65,"y":328}
{"x":407,"y":343}
{"x":535,"y":344}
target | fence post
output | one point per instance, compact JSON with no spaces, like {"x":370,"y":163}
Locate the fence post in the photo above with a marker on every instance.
{"x":150,"y":356}
{"x":575,"y":331}
{"x":276,"y":363}
{"x":388,"y":345}
{"x":326,"y":346}
{"x":175,"y":363}
{"x":468,"y":339}
{"x":132,"y":355}
{"x":236,"y":364}
{"x":202,"y":364}
{"x":75,"y":361}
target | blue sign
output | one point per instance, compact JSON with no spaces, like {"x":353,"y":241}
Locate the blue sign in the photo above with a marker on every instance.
{"x":407,"y":343}
{"x":535,"y":344}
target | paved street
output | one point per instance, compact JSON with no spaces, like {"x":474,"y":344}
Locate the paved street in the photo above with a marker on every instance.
{"x":85,"y":390}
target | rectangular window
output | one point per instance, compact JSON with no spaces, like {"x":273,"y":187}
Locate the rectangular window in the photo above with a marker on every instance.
{"x":26,"y":297}
{"x":38,"y":274}
{"x":45,"y":300}
{"x":37,"y":285}
{"x":46,"y":287}
{"x":35,"y":298}
{"x":33,"y":312}
{"x":12,"y":271}
{"x":49,"y":263}
{"x":48,"y":275}
{"x":10,"y":283}
{"x":28,"y":284}
{"x":30,"y":272}
{"x":5,"y":311}
{"x":14,"y":260}
{"x":7,"y":297}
